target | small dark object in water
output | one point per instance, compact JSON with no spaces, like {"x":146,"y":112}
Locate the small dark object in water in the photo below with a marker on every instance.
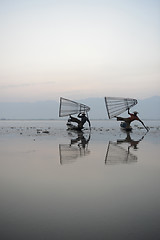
{"x":46,"y":131}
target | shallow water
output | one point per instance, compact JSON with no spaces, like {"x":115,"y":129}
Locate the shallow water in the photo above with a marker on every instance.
{"x":58,"y":184}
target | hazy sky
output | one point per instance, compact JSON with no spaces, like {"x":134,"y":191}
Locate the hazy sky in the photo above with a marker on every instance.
{"x":79,"y":49}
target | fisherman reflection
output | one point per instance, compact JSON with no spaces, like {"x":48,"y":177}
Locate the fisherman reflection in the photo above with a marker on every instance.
{"x":78,"y":147}
{"x":133,"y":143}
{"x":117,"y":154}
{"x":82,"y":142}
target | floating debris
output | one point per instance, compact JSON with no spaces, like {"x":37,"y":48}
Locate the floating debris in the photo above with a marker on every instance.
{"x":46,"y":131}
{"x":39,"y":130}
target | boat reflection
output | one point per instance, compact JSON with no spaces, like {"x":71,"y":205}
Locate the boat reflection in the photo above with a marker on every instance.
{"x":78,"y":147}
{"x":119,"y":152}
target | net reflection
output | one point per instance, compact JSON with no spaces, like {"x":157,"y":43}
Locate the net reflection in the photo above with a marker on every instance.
{"x":119,"y":152}
{"x":78,"y":147}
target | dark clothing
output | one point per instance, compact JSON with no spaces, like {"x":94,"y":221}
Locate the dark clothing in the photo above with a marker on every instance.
{"x":81,"y":122}
{"x":84,"y":119}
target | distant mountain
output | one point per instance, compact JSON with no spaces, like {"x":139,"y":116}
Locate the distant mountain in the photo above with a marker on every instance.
{"x":27,"y":110}
{"x":148,"y":109}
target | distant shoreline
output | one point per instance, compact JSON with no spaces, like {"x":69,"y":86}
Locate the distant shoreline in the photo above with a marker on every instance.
{"x":64,"y":119}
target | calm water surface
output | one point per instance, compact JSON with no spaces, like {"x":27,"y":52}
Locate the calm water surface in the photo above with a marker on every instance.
{"x":58,"y":184}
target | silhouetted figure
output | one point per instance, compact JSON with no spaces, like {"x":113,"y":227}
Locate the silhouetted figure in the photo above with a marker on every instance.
{"x":83,"y":119}
{"x":133,"y":117}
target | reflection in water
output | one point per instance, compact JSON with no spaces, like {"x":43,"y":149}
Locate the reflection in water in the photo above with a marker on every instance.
{"x":78,"y":147}
{"x":117,"y":154}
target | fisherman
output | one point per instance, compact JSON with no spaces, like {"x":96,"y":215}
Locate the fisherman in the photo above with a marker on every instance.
{"x":83,"y":119}
{"x":133,"y":117}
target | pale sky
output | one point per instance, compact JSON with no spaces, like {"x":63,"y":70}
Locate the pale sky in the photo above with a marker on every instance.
{"x":79,"y":49}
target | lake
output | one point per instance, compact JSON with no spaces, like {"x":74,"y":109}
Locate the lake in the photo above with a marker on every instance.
{"x":59,"y":184}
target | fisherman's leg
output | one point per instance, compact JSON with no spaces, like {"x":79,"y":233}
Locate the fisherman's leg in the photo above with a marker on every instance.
{"x":73,"y":119}
{"x":80,"y":126}
{"x":120,"y":119}
{"x":127,"y":122}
